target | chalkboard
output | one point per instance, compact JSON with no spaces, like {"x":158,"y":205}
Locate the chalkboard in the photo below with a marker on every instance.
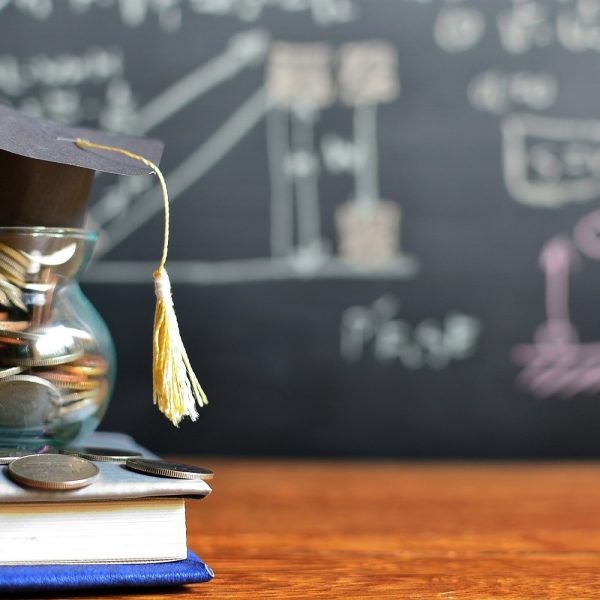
{"x":385,"y":214}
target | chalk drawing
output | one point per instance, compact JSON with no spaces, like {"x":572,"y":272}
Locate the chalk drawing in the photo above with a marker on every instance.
{"x":301,"y":82}
{"x":170,"y":13}
{"x":375,"y":330}
{"x":497,"y":92}
{"x":550,"y":162}
{"x":557,"y":363}
{"x":578,"y":28}
{"x":526,"y":25}
{"x":368,"y":227}
{"x":458,"y":28}
{"x":299,"y":85}
{"x":587,"y":235}
{"x":121,"y":210}
{"x":71,"y":88}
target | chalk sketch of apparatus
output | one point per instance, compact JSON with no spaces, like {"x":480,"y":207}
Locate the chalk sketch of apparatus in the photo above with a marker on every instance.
{"x":558,"y":363}
{"x":300,"y":85}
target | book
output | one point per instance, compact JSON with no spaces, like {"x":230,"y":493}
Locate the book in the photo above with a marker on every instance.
{"x":123,"y":517}
{"x":48,"y":578}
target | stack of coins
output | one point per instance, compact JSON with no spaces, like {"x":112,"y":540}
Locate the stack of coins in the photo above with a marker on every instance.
{"x":51,"y":373}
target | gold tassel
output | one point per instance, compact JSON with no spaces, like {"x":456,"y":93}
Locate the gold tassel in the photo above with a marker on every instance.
{"x":176,"y":390}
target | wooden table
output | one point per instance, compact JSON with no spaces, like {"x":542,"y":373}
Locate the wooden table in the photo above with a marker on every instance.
{"x":280,"y":529}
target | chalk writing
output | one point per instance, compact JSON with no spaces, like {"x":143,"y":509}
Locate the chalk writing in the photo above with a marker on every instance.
{"x":170,"y":13}
{"x":377,"y":331}
{"x":496,"y":92}
{"x":458,"y":28}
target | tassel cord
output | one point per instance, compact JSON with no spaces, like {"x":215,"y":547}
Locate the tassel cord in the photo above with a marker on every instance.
{"x":176,"y":389}
{"x":163,"y":186}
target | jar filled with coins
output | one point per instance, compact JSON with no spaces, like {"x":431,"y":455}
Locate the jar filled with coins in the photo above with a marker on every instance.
{"x":57,"y":361}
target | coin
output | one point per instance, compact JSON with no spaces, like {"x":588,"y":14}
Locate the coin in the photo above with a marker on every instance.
{"x":10,"y":371}
{"x":87,"y":385}
{"x":90,"y":365}
{"x":15,"y":254}
{"x":101,"y":454}
{"x":9,"y":454}
{"x":11,"y":295}
{"x":75,"y":397}
{"x":58,"y":377}
{"x":39,"y":347}
{"x":27,"y":401}
{"x":15,"y":325}
{"x":53,"y":471}
{"x":167,"y":469}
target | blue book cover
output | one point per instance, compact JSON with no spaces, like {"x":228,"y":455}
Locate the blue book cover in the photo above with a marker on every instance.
{"x":37,"y":578}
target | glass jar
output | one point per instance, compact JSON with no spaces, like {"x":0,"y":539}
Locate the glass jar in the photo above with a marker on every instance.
{"x":57,"y":359}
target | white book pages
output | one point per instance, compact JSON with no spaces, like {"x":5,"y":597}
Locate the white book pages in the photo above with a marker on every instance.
{"x":114,"y":531}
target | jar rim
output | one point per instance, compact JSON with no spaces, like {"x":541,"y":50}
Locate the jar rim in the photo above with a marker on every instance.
{"x":84,"y":234}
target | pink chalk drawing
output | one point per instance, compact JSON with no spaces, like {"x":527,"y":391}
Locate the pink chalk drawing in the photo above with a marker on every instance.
{"x":557,"y":363}
{"x":587,"y":235}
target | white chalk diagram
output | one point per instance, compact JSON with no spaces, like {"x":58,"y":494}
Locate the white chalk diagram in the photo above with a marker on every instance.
{"x":170,"y":14}
{"x":302,"y":80}
{"x":551,"y":162}
{"x":547,"y":161}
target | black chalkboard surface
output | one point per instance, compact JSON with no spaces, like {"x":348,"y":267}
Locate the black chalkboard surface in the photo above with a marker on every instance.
{"x":385,"y":214}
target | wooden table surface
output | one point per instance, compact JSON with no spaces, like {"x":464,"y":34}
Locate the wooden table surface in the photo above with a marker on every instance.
{"x":281,"y":529}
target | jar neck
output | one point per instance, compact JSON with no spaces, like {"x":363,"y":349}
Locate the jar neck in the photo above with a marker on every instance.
{"x":38,"y":256}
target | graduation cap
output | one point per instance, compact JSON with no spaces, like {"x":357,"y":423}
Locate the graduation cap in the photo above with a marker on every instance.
{"x":46,"y":178}
{"x":46,"y":171}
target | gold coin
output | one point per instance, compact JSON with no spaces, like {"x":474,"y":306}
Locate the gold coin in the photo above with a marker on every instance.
{"x":14,"y":325}
{"x":60,"y":377}
{"x":90,"y":365}
{"x":12,"y":267}
{"x":89,"y":384}
{"x":14,"y":254}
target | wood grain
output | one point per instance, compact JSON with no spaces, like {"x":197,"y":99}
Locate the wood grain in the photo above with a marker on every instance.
{"x":282,"y":529}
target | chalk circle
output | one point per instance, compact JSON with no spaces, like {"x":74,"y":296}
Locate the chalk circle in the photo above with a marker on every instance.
{"x":587,"y":235}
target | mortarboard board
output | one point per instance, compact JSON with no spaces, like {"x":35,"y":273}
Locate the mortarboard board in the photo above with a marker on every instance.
{"x":46,"y":178}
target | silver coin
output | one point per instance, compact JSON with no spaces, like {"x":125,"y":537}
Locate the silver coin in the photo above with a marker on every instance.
{"x":10,"y":371}
{"x":27,"y":401}
{"x":101,"y":454}
{"x":167,"y":469}
{"x":7,"y":455}
{"x":40,"y":347}
{"x":53,"y":471}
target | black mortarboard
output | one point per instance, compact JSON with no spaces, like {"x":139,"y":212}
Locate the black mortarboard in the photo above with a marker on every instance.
{"x":46,"y":178}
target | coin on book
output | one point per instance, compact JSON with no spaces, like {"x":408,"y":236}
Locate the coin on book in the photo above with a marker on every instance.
{"x":7,"y":455}
{"x":167,"y":469}
{"x":101,"y":454}
{"x":53,"y":471}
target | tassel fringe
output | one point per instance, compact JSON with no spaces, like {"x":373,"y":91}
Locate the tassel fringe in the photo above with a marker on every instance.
{"x":176,"y":388}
